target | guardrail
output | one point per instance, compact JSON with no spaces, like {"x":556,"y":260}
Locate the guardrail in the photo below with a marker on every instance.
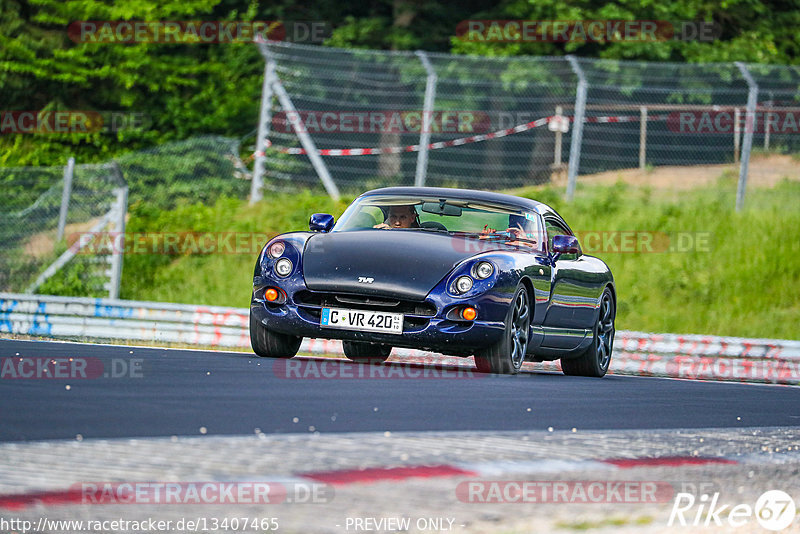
{"x":635,"y":353}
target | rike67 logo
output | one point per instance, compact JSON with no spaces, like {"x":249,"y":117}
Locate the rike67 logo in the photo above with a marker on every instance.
{"x":774,"y":510}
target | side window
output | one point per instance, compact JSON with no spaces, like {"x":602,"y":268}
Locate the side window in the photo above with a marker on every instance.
{"x":555,"y":228}
{"x":536,"y":231}
{"x":527,"y":227}
{"x":367,"y":217}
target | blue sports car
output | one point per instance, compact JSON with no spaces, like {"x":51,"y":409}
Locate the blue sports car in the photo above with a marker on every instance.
{"x":466,"y":273}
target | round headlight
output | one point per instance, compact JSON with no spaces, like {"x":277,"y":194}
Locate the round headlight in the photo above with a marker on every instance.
{"x":463,"y":284}
{"x":283,"y":267}
{"x":276,"y":249}
{"x":484,"y":270}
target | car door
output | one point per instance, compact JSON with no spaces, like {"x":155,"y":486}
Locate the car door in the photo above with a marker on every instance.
{"x":538,"y":268}
{"x":573,"y":299}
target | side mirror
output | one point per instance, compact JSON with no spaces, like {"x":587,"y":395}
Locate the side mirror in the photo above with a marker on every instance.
{"x":565,"y":244}
{"x":320,"y":222}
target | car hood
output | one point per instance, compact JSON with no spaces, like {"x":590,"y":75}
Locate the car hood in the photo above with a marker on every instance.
{"x":401,"y":263}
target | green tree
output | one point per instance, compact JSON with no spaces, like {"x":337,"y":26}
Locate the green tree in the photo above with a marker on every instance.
{"x":182,"y":89}
{"x":756,"y":31}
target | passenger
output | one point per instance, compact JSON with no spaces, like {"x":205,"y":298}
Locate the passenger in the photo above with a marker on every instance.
{"x":523,"y":230}
{"x":520,"y":227}
{"x":400,"y":217}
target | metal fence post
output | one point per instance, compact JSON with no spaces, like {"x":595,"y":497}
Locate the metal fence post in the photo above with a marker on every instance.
{"x":62,"y":215}
{"x":737,"y":133}
{"x":642,"y":137}
{"x":577,"y":131}
{"x":766,"y":123}
{"x":302,"y":134}
{"x":558,"y":140}
{"x":264,"y":119}
{"x":427,"y":116}
{"x":749,"y":127}
{"x":118,"y":246}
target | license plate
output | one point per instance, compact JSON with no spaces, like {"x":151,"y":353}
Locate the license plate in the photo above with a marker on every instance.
{"x":363,"y":320}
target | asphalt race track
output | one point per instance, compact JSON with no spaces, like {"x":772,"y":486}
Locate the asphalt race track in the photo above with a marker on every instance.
{"x":166,"y":392}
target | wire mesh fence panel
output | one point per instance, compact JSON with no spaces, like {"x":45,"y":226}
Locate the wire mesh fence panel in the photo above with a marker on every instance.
{"x":29,"y":207}
{"x":503,"y":94}
{"x":777,"y":123}
{"x":199,"y":170}
{"x":776,"y":128}
{"x":29,"y":236}
{"x":93,"y":193}
{"x":347,"y":99}
{"x":672,"y":125}
{"x":196,"y":170}
{"x":676,"y":99}
{"x":355,"y":99}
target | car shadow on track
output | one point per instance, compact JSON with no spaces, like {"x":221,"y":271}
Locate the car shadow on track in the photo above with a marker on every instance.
{"x":326,"y":367}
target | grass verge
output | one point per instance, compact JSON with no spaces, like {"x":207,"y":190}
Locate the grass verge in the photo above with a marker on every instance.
{"x":709,"y":269}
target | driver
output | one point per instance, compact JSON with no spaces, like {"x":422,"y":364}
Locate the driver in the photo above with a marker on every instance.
{"x":400,"y":217}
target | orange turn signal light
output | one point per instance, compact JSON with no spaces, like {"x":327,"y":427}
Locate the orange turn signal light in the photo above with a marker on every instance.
{"x":469,"y":313}
{"x":271,"y":294}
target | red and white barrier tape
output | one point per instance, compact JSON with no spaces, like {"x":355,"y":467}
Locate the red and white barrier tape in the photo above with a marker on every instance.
{"x":457,"y":142}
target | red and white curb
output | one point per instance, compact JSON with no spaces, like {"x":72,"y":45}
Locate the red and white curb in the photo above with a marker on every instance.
{"x":371,"y":475}
{"x":493,"y":469}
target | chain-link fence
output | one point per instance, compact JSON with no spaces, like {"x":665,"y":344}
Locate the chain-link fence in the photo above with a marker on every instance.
{"x":359,"y":119}
{"x":33,"y":229}
{"x":48,"y":213}
{"x":527,"y":120}
{"x":197,"y":170}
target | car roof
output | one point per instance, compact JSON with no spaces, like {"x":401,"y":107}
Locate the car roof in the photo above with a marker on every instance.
{"x":466,"y":194}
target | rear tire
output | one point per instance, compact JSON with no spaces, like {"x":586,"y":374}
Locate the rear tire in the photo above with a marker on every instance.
{"x":506,"y":356}
{"x":268,"y":344}
{"x":363,"y":352}
{"x":594,"y":361}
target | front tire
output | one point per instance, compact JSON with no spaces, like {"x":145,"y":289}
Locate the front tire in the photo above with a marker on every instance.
{"x":594,"y":361}
{"x":506,"y":356}
{"x":363,"y":352}
{"x":269,"y":344}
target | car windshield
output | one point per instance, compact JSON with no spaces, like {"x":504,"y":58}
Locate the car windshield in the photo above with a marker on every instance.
{"x":471,"y":218}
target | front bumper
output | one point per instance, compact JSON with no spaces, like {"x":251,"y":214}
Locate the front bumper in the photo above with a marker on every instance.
{"x":436,"y":333}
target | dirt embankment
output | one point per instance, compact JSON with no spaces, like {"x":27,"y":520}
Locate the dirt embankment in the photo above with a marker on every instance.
{"x":765,"y":171}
